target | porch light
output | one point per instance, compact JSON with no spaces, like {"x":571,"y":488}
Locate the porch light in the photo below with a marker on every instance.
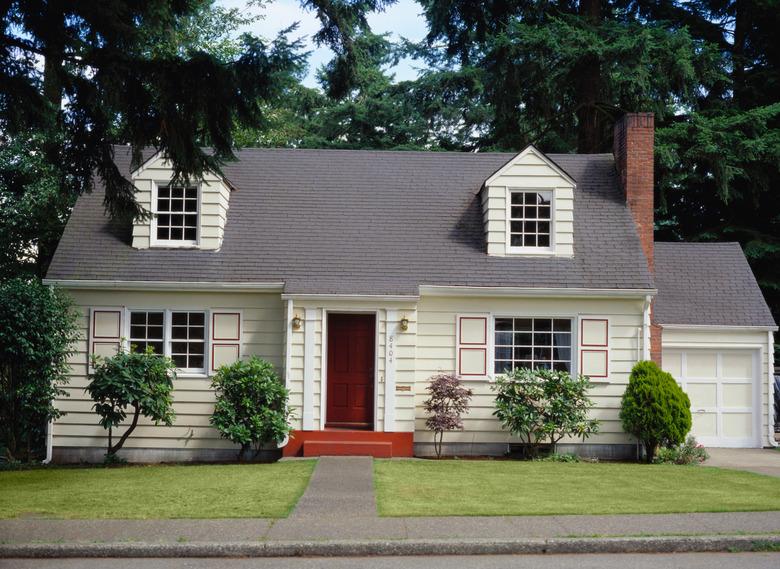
{"x":404,"y":323}
{"x":297,"y":322}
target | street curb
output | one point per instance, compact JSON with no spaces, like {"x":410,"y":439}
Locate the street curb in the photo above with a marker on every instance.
{"x":678,"y":544}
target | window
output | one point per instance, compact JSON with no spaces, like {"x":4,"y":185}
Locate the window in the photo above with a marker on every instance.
{"x":188,"y":340}
{"x":534,"y":343}
{"x":530,"y":215}
{"x":182,"y":336}
{"x":146,"y":329}
{"x":177,"y":214}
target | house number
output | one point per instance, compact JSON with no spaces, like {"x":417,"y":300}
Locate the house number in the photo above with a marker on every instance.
{"x":390,"y":349}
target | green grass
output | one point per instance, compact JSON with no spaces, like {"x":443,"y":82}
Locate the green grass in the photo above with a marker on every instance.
{"x":508,"y":488}
{"x":161,"y":492}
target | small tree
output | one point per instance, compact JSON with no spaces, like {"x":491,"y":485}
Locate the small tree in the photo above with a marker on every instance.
{"x":654,"y":408}
{"x":544,"y":405}
{"x":37,"y":335}
{"x":448,"y":401}
{"x":252,"y":405}
{"x":143,"y":380}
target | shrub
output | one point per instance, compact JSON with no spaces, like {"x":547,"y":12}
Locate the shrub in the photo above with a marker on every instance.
{"x":143,"y":380}
{"x":251,"y":407}
{"x":37,"y":335}
{"x":544,"y":405}
{"x":690,"y":452}
{"x":566,"y":457}
{"x":654,"y":408}
{"x":448,"y":401}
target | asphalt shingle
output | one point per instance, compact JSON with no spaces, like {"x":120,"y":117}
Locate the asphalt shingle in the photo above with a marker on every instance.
{"x":366,"y":222}
{"x":707,"y":284}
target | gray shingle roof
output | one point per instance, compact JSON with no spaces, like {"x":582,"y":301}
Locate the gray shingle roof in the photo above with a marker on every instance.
{"x":707,"y":284}
{"x":366,"y":222}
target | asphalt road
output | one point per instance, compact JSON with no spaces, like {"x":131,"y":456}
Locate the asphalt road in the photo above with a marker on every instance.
{"x":656,"y":561}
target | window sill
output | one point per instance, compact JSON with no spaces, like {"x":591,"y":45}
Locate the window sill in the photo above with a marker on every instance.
{"x":192,"y":375}
{"x":530,"y":252}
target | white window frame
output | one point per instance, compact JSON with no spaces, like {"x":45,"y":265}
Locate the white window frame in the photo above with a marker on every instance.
{"x":174,"y":243}
{"x":167,"y":333}
{"x":549,"y":250}
{"x":574,"y":362}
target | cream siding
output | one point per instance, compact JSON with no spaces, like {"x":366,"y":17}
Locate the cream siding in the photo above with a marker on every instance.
{"x":530,"y":170}
{"x":214,"y":203}
{"x":436,"y":352}
{"x":730,"y":339}
{"x":262,"y":335}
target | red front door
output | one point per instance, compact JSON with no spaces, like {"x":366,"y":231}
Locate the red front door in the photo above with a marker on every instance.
{"x":351,"y":358}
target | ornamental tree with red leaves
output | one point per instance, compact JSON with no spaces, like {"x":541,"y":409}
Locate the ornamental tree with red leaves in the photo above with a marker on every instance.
{"x":448,"y":401}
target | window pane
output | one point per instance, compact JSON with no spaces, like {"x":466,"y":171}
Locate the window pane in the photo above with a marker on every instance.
{"x":138,"y":331}
{"x":561,"y":354}
{"x":503,"y":353}
{"x":163,"y":220}
{"x":196,"y":361}
{"x":562,"y":366}
{"x":542,"y":365}
{"x":190,"y":234}
{"x":154,"y":332}
{"x":529,"y":241}
{"x":503,"y":324}
{"x":155,"y":318}
{"x":164,"y":192}
{"x":542,"y":353}
{"x":503,"y":338}
{"x":191,"y":205}
{"x":543,"y":339}
{"x":523,"y":325}
{"x":138,"y":318}
{"x":179,"y":332}
{"x":162,"y":233}
{"x":179,"y":360}
{"x":544,"y":199}
{"x":178,"y":347}
{"x":197,"y":347}
{"x":562,"y":340}
{"x":177,"y":192}
{"x":542,"y":325}
{"x":530,"y":212}
{"x":523,"y":339}
{"x":523,"y":353}
{"x":176,"y":234}
{"x":516,"y":240}
{"x":191,"y":220}
{"x":179,"y":318}
{"x":517,"y":198}
{"x":562,"y":325}
{"x":191,"y":193}
{"x":543,"y":241}
{"x":156,"y":346}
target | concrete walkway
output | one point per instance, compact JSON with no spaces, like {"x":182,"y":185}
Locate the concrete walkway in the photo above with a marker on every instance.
{"x":758,"y":460}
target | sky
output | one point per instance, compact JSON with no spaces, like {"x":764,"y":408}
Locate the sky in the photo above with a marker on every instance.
{"x":403,"y":19}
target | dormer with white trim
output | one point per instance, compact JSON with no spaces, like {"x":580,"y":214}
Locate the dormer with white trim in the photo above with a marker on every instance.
{"x":528,"y":208}
{"x":184,"y":215}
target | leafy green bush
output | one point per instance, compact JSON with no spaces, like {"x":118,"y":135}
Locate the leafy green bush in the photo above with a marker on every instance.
{"x":565,"y":457}
{"x":690,"y":452}
{"x":654,"y":408}
{"x":37,"y":335}
{"x":544,"y":405}
{"x":143,"y":380}
{"x":251,"y":408}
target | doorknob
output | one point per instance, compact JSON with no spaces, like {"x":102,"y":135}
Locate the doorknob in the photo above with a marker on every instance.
{"x":701,"y":410}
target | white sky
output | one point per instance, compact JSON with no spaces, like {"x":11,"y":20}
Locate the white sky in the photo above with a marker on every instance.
{"x":403,"y":19}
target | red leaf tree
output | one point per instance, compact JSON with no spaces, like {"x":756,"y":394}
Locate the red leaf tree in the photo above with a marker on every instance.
{"x":447,"y":402}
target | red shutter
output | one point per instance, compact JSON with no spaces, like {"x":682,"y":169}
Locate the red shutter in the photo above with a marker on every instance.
{"x":594,"y":347}
{"x":225,"y":338}
{"x":472,"y":345}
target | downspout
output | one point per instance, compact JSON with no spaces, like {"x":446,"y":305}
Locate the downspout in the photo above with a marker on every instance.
{"x":770,"y":404}
{"x":646,"y":328}
{"x":49,"y":442}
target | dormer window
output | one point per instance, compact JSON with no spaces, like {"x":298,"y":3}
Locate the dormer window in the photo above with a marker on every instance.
{"x":176,"y":216}
{"x":530,"y":221}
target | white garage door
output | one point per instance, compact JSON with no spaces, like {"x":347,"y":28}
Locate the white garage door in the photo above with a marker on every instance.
{"x":723,"y":388}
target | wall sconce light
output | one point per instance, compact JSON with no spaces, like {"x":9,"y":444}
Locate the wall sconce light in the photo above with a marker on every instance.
{"x":297,"y":322}
{"x":404,"y":324}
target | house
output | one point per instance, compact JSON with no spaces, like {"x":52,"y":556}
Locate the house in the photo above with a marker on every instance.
{"x":360,"y":274}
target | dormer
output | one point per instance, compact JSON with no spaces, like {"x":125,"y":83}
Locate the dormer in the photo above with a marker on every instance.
{"x":184,"y":215}
{"x":528,"y":208}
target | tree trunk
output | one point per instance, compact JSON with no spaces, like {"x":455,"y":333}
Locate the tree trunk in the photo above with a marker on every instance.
{"x":588,"y":82}
{"x":114,"y":449}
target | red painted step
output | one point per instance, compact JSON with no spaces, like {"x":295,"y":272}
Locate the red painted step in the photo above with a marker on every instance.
{"x":401,"y":443}
{"x":348,"y":448}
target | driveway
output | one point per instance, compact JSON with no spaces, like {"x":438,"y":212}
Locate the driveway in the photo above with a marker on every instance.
{"x":759,"y":460}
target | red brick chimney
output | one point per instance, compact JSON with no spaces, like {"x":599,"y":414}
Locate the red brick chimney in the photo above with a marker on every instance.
{"x":633,"y":148}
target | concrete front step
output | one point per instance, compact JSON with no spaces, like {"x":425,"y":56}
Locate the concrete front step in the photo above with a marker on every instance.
{"x":348,"y":448}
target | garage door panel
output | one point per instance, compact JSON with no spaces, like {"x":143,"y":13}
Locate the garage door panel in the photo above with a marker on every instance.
{"x":702,"y":395}
{"x":737,"y":425}
{"x":737,"y":395}
{"x":702,"y":364}
{"x":672,"y":363}
{"x":704,"y":425}
{"x":737,"y":365}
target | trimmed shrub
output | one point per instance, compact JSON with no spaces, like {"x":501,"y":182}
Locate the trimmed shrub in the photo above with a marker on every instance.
{"x":543,"y":405}
{"x":448,"y":401}
{"x":251,"y":408}
{"x":690,"y":452}
{"x":141,"y":380}
{"x":654,"y":408}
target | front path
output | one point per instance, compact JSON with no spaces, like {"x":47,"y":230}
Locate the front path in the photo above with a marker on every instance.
{"x":758,"y":460}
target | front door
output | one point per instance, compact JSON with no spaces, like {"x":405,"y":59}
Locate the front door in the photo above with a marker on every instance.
{"x":351,"y":356}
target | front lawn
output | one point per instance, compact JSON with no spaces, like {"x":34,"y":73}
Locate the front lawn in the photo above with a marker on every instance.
{"x":147,"y":492}
{"x":508,"y":488}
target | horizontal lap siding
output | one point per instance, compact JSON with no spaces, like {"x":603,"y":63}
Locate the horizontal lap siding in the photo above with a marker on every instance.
{"x":730,"y":339}
{"x":263,"y":336}
{"x":436,"y":348}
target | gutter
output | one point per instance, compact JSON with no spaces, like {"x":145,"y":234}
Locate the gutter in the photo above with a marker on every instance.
{"x":646,"y":328}
{"x":166,"y":285}
{"x":436,"y":290}
{"x":717,"y":327}
{"x":49,"y":442}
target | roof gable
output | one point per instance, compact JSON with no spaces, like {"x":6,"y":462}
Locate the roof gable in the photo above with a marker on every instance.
{"x":530,"y":155}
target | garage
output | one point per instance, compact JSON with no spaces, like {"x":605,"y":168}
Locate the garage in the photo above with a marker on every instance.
{"x":723,"y":386}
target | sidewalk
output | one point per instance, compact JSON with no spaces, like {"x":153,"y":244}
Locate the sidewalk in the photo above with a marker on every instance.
{"x":339,"y":506}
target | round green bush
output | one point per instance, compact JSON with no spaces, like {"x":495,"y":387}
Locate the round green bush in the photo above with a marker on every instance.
{"x":654,"y":408}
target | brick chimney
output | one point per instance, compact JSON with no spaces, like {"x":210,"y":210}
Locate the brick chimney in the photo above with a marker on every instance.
{"x":633,"y":149}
